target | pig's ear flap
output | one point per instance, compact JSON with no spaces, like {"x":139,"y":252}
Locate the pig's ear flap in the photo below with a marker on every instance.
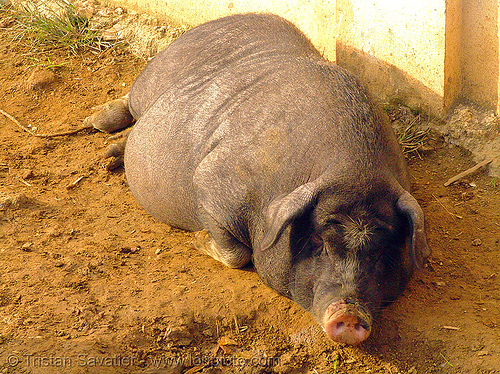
{"x":284,"y":210}
{"x":419,"y":250}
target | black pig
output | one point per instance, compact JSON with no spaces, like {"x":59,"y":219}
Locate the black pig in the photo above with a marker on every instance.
{"x":246,"y":132}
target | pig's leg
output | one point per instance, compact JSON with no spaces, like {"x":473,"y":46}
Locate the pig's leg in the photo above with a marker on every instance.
{"x":227,"y":249}
{"x":116,"y":150}
{"x":112,"y":116}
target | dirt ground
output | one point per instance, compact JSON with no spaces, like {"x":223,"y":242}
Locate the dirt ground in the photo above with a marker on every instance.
{"x":90,"y":283}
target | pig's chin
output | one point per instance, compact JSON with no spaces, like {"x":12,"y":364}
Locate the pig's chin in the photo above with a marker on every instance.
{"x":347,"y":323}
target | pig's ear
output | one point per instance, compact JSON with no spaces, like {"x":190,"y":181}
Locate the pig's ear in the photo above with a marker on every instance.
{"x":420,"y":252}
{"x":284,"y":210}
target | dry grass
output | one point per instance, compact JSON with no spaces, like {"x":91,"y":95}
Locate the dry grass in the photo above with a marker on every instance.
{"x":412,"y":129}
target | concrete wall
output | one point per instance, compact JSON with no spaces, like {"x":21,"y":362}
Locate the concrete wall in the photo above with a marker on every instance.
{"x":316,"y":18}
{"x":479,"y":52}
{"x":429,"y":54}
{"x":396,"y":47}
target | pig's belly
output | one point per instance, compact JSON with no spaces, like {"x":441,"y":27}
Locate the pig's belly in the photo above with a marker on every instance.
{"x":159,"y":171}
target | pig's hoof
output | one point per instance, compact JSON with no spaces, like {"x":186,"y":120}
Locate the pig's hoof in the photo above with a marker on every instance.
{"x":116,"y":151}
{"x":231,"y":257}
{"x":112,"y":116}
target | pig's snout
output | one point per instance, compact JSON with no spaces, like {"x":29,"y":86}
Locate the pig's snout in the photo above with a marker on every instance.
{"x":347,"y":322}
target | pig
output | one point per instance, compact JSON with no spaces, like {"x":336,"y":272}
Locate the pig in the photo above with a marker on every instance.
{"x":275,"y":156}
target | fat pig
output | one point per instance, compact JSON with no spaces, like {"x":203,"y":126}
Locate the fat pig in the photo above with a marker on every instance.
{"x":247,"y":135}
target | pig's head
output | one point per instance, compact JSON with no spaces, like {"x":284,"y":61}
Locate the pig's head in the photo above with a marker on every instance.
{"x":343,"y":253}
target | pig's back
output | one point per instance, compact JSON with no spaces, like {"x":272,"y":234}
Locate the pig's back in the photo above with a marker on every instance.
{"x":256,"y":114}
{"x":212,"y":46}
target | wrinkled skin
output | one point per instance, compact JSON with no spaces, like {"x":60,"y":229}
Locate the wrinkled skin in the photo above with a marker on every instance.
{"x":245,"y":132}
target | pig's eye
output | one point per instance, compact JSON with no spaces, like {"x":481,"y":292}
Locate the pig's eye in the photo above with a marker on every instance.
{"x":333,"y":221}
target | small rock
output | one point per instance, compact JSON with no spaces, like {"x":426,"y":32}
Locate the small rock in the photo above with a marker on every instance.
{"x":127,"y":250}
{"x":86,"y":11}
{"x":440,"y":284}
{"x":27,"y":174}
{"x":53,"y":232}
{"x":413,"y":370}
{"x":27,"y":247}
{"x":483,"y":353}
{"x":179,"y":337}
{"x":113,"y":34}
{"x":41,"y":79}
{"x":119,"y":11}
{"x":477,"y":242}
{"x":159,"y":250}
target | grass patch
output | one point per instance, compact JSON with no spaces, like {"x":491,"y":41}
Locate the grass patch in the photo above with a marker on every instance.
{"x":55,"y":24}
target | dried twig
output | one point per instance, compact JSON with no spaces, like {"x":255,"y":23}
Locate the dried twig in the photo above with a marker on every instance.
{"x":73,"y":185}
{"x":236,"y":325}
{"x":451,"y":328}
{"x":65,"y":133}
{"x":468,"y":171}
{"x":25,"y":183}
{"x":447,"y":211}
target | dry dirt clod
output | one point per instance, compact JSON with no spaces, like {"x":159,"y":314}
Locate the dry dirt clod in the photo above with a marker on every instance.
{"x":476,"y":242}
{"x":113,"y":34}
{"x":27,"y":174}
{"x":179,"y":337}
{"x":20,"y":201}
{"x":127,"y":250}
{"x":41,"y":79}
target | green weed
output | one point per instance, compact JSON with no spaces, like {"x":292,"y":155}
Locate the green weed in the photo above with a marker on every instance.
{"x":495,"y":182}
{"x":48,"y":64}
{"x":446,"y":360}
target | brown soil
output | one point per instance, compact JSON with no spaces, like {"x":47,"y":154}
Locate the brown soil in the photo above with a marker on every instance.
{"x":90,"y":283}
